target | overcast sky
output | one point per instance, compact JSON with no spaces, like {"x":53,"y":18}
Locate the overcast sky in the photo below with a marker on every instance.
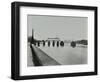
{"x":64,"y":27}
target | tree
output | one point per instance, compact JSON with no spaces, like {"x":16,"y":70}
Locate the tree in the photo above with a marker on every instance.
{"x":73,"y":44}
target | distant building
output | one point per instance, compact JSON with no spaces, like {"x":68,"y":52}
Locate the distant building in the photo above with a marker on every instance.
{"x":53,"y":39}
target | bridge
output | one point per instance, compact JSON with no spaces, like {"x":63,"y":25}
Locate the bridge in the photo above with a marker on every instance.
{"x":54,"y":42}
{"x":49,"y":42}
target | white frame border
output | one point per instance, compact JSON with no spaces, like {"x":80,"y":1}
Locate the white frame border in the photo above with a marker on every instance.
{"x":24,"y":70}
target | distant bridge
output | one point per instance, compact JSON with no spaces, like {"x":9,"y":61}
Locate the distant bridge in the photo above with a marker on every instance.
{"x":49,"y":42}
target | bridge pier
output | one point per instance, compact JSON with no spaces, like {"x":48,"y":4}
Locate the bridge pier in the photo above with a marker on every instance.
{"x":43,"y":43}
{"x":38,"y":43}
{"x":57,"y":43}
{"x":53,"y":43}
{"x":49,"y":43}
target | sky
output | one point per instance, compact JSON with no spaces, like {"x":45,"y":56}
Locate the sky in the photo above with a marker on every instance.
{"x":63,"y":27}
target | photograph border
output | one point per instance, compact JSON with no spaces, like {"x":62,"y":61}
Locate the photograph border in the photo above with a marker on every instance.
{"x":15,"y":39}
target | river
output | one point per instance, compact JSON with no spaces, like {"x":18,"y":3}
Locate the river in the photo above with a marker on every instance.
{"x":67,"y":55}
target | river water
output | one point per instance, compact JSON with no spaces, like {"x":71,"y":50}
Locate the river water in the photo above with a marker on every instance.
{"x":67,"y":55}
